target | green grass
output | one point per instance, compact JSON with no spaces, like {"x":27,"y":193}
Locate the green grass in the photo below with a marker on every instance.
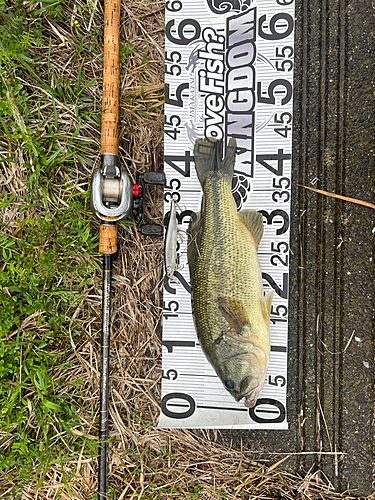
{"x":46,"y":249}
{"x":40,"y":265}
{"x":49,"y":130}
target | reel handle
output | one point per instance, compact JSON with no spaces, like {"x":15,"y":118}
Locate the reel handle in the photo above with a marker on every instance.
{"x":157,"y":178}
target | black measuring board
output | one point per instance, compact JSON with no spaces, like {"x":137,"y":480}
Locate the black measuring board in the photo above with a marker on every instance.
{"x":330,"y":401}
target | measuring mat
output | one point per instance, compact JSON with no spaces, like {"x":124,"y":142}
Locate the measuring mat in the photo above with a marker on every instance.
{"x":228,"y":73}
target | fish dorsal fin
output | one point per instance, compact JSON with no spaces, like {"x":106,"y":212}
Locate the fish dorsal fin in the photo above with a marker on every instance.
{"x":253,"y":220}
{"x":266,"y":304}
{"x":234,"y":312}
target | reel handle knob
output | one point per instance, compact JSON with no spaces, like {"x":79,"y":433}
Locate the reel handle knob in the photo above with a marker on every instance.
{"x":154,"y":178}
{"x":151,"y":230}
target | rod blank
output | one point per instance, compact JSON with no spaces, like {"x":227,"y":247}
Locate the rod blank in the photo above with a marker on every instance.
{"x":104,"y":382}
{"x":108,"y":231}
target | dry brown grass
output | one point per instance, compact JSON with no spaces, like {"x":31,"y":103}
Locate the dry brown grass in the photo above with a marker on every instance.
{"x":144,"y":462}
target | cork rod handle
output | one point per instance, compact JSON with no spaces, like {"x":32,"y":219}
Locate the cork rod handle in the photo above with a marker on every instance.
{"x":111,"y":72}
{"x":108,"y":238}
{"x":110,"y":115}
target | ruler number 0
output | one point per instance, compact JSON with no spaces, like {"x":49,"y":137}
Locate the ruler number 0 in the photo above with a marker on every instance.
{"x":178,"y":400}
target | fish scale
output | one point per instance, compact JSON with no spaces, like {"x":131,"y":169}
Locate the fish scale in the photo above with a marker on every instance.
{"x":225,"y":267}
{"x":227,"y":252}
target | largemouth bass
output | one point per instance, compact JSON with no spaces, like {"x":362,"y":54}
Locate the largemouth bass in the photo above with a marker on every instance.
{"x":230,"y":309}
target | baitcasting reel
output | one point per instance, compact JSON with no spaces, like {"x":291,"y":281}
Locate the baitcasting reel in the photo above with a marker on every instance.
{"x":114,"y":196}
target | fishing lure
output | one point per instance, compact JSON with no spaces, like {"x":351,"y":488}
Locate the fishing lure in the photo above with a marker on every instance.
{"x":170,"y":245}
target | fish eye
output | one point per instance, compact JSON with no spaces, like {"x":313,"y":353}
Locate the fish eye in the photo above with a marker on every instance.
{"x":229,"y":384}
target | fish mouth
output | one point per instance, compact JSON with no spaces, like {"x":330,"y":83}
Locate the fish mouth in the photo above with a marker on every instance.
{"x":251,"y":399}
{"x":251,"y":387}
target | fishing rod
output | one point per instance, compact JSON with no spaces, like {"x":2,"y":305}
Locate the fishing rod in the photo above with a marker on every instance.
{"x":113,"y":198}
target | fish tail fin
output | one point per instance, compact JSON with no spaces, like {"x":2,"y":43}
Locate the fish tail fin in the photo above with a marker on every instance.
{"x":208,"y":158}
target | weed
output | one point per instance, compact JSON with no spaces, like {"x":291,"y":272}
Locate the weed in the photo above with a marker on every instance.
{"x":125,"y":50}
{"x":36,"y":299}
{"x":44,"y":248}
{"x":50,"y":109}
{"x":17,"y":34}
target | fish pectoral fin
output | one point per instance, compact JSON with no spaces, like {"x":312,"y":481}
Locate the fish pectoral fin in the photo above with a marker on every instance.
{"x":266,"y":304}
{"x":253,"y":221}
{"x":234,"y":312}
